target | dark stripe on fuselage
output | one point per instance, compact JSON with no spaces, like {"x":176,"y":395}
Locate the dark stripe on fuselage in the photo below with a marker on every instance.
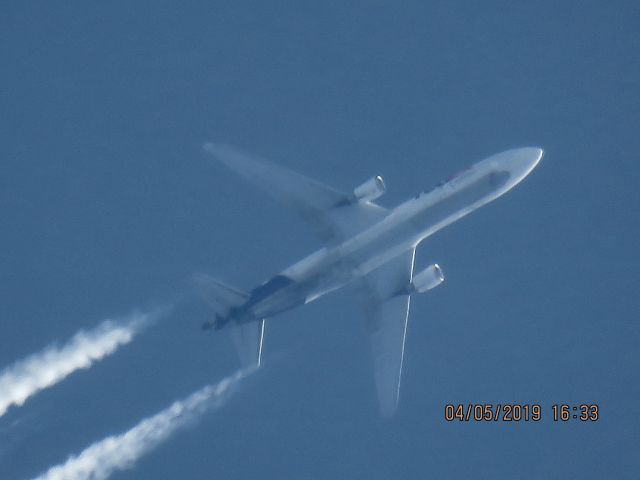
{"x":267,"y":289}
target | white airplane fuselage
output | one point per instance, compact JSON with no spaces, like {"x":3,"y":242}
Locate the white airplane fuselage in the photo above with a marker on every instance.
{"x":402,"y":229}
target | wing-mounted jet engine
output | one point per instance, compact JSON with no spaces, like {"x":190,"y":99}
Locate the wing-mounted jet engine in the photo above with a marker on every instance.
{"x":427,"y":279}
{"x":369,"y":190}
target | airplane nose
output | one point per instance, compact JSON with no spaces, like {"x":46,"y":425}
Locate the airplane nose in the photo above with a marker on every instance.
{"x":531,"y":156}
{"x":521,"y":161}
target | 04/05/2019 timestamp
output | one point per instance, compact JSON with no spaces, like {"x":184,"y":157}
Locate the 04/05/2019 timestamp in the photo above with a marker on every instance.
{"x":520,"y":412}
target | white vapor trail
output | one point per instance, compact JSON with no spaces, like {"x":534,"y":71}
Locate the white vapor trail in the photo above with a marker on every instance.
{"x":26,"y":377}
{"x":119,"y":452}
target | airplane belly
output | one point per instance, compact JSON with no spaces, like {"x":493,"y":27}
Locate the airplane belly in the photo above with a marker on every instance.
{"x":460,"y":202}
{"x":398,"y":233}
{"x":329,"y":269}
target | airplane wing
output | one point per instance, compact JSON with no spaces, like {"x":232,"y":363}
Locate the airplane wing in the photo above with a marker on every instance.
{"x":387,"y":308}
{"x":328,"y":209}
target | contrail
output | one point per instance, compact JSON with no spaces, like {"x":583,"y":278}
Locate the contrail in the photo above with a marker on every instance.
{"x":26,"y":377}
{"x":119,"y":452}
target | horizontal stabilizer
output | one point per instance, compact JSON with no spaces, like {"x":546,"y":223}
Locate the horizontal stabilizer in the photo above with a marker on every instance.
{"x":247,"y":338}
{"x":221,"y":297}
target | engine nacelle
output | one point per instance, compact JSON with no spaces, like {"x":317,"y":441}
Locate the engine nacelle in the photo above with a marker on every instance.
{"x":369,"y":190}
{"x":427,"y":279}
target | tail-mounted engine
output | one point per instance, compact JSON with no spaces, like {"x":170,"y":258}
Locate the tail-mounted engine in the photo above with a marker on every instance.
{"x":369,"y":190}
{"x":427,"y":279}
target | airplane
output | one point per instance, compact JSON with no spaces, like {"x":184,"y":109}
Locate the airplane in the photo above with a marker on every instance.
{"x":365,"y":244}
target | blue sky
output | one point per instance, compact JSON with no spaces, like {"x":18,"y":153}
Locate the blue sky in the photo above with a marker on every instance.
{"x":108,"y":204}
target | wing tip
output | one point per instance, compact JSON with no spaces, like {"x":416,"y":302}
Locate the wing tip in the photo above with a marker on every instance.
{"x":214,"y":148}
{"x":243,"y":163}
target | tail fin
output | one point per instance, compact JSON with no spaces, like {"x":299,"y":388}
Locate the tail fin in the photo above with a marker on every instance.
{"x":247,"y":337}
